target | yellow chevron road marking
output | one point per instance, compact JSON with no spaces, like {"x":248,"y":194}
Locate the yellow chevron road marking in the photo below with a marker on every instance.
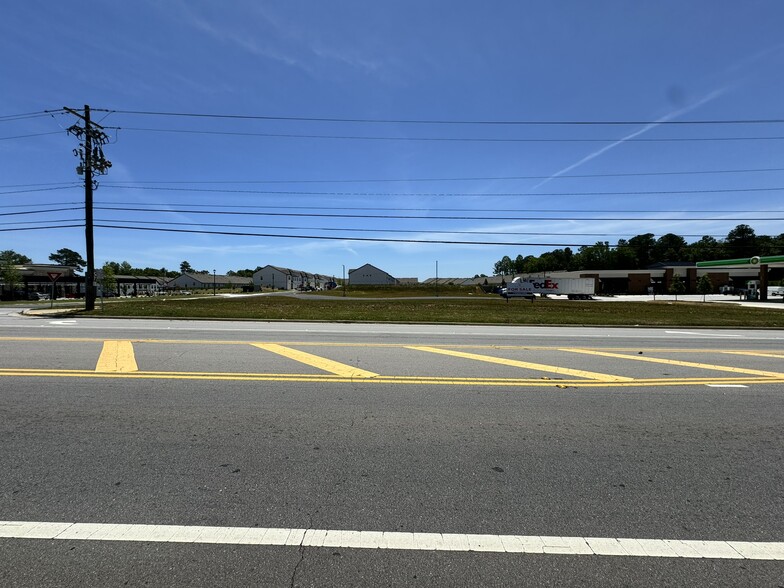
{"x":525,"y":364}
{"x":691,"y":364}
{"x":117,"y":356}
{"x":322,"y":363}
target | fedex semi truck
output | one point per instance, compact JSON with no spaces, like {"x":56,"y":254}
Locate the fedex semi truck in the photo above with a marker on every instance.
{"x":573,"y":288}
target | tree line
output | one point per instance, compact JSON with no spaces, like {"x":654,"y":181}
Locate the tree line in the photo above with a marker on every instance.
{"x":642,"y":251}
{"x":10,"y":258}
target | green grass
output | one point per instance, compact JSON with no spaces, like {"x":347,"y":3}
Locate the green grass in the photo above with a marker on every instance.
{"x":484,"y":309}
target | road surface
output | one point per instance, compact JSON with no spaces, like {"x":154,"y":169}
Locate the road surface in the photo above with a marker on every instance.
{"x":240,"y":453}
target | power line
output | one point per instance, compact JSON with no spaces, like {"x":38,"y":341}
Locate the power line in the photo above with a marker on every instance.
{"x":62,"y":184}
{"x":444,"y":122}
{"x":24,"y":116}
{"x":42,"y":228}
{"x":423,"y":217}
{"x":37,"y":211}
{"x":464,"y":179}
{"x":38,"y":222}
{"x":36,"y":190}
{"x":434,"y":209}
{"x":441,"y":194}
{"x":324,"y":237}
{"x":354,"y":230}
{"x":448,"y":139}
{"x":31,"y":135}
{"x":45,"y":204}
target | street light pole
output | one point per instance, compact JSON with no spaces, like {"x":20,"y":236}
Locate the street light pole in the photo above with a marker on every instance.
{"x":214,"y":293}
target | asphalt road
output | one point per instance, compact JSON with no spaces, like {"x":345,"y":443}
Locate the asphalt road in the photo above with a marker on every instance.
{"x":460,"y":431}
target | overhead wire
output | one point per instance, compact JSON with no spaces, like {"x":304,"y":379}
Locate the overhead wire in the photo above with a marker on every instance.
{"x":355,"y":230}
{"x":422,"y":217}
{"x":450,"y":139}
{"x":436,"y":209}
{"x":39,"y":228}
{"x":341,"y":238}
{"x":442,"y":121}
{"x":441,"y":194}
{"x":464,"y":179}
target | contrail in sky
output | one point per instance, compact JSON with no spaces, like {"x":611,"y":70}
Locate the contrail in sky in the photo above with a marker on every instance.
{"x":667,"y":117}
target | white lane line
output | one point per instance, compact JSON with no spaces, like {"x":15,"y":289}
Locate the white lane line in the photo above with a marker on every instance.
{"x":702,"y":334}
{"x":726,"y":386}
{"x":348,"y":539}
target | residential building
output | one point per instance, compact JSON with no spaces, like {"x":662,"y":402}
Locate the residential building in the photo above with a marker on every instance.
{"x":192,"y":281}
{"x":368,"y":274}
{"x":284,"y":278}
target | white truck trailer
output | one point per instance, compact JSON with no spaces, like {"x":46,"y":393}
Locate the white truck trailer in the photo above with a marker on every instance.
{"x":573,"y":288}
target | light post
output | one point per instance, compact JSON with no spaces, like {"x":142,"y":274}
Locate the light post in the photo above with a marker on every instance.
{"x":436,"y":278}
{"x":344,"y":280}
{"x":214,"y":292}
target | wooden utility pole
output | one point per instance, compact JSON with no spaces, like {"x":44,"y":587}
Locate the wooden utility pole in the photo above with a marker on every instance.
{"x":90,"y":152}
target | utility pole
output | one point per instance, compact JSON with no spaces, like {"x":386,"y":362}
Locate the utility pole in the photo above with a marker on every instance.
{"x":90,"y":153}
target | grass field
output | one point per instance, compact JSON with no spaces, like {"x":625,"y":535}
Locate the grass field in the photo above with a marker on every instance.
{"x":477,"y":309}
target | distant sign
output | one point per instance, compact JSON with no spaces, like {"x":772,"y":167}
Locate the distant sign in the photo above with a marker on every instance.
{"x":54,"y":275}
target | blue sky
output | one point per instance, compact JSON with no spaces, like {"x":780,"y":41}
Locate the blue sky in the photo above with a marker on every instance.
{"x":505,"y":61}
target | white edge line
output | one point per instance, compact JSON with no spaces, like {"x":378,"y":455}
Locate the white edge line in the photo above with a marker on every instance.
{"x":397,"y":540}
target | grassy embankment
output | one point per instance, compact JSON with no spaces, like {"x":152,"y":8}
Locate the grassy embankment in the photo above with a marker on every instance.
{"x":454,"y":306}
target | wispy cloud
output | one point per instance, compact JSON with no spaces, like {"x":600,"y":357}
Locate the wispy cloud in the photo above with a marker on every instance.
{"x":667,"y":117}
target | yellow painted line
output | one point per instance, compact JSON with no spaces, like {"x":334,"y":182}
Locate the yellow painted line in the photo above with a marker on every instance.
{"x":117,"y":356}
{"x":703,"y":366}
{"x":398,"y":380}
{"x":755,"y":354}
{"x":525,"y":364}
{"x":322,"y":363}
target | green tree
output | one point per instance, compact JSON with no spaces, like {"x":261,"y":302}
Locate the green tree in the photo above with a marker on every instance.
{"x":597,"y":256}
{"x":642,"y":248}
{"x":108,"y":280}
{"x":704,"y":286}
{"x":625,"y":257}
{"x":741,"y":242}
{"x":15,"y":258}
{"x":185,"y":267}
{"x":670,"y":247}
{"x":706,"y":249}
{"x":9,"y":273}
{"x":68,"y":257}
{"x":504,"y":266}
{"x":677,"y":286}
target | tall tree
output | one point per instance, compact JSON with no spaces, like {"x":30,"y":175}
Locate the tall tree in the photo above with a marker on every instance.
{"x":68,"y":257}
{"x":706,"y":249}
{"x":185,"y":267}
{"x":642,"y":247}
{"x":108,"y":279}
{"x":9,"y":273}
{"x":741,"y":242}
{"x":11,"y":256}
{"x":504,"y":266}
{"x":670,"y":247}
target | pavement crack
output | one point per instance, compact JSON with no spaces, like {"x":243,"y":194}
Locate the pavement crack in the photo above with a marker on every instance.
{"x":301,"y":552}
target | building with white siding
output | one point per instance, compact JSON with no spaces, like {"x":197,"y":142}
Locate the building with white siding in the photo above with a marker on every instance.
{"x":191,"y":281}
{"x":284,"y":278}
{"x":368,"y":275}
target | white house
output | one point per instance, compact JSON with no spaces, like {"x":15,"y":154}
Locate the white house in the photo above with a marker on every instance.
{"x":370,"y":275}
